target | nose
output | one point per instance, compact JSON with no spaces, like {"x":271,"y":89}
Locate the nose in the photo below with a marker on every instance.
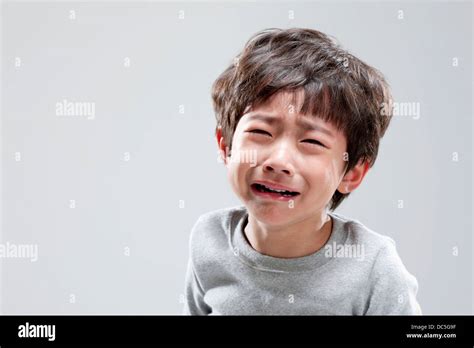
{"x":279,"y":162}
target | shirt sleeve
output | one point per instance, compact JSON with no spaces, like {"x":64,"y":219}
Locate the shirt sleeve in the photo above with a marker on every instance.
{"x":194,"y":303}
{"x":194,"y":295}
{"x":392,"y":289}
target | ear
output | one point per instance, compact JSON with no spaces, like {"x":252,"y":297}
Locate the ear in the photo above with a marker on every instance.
{"x":353,"y":178}
{"x":223,"y":150}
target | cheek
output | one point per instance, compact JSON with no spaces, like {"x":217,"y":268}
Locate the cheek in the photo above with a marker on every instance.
{"x":324,"y":177}
{"x":232,"y":172}
{"x":329,"y":176}
{"x":236,"y":174}
{"x":238,"y":139}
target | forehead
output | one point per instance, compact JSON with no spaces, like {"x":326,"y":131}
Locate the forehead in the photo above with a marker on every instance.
{"x":283,"y":107}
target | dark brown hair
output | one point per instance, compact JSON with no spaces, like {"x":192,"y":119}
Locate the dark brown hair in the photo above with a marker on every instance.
{"x":338,"y":88}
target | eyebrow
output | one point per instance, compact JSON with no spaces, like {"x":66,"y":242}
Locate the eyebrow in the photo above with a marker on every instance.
{"x":306,"y":125}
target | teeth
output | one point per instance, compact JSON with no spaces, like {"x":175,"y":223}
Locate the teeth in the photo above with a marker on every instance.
{"x":281,"y":191}
{"x":274,"y":190}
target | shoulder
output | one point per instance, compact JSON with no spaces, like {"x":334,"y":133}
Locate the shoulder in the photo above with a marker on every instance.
{"x":359,"y":234}
{"x":383,"y":249}
{"x":221,"y":216}
{"x":391,"y":288}
{"x":211,"y":230}
{"x":389,"y":270}
{"x":216,"y":223}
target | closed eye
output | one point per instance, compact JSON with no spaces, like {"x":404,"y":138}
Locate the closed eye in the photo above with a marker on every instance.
{"x":259,"y":131}
{"x":310,"y":141}
{"x":313,"y":141}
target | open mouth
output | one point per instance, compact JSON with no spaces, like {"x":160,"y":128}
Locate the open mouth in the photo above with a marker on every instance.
{"x":265,"y":189}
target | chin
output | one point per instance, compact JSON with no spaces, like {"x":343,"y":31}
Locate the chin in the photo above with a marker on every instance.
{"x":270,"y":213}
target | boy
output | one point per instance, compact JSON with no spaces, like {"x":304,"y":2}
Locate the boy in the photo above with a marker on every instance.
{"x":313,"y":115}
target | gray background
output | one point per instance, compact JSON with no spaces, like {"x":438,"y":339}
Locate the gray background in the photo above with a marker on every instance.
{"x":135,"y":204}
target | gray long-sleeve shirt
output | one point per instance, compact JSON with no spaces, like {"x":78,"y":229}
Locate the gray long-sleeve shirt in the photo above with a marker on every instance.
{"x":357,"y":272}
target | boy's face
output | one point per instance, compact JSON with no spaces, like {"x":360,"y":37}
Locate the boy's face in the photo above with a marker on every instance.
{"x":302,"y":153}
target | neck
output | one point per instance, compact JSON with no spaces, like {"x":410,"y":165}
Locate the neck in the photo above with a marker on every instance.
{"x":294,"y":240}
